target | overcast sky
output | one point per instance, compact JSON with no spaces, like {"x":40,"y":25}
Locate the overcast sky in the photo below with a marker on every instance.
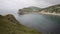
{"x":16,"y":4}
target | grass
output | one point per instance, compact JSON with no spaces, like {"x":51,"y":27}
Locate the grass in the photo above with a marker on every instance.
{"x":9,"y":27}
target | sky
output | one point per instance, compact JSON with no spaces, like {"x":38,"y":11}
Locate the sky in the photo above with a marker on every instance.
{"x":17,"y":4}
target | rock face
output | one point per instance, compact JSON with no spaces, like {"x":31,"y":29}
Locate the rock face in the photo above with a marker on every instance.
{"x":9,"y":25}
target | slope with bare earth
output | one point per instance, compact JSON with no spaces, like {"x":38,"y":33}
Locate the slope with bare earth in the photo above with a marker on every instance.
{"x":51,"y":10}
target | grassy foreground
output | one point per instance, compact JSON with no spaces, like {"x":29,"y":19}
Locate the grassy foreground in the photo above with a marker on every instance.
{"x":9,"y":25}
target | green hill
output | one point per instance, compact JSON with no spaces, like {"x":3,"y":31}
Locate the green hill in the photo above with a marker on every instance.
{"x":52,"y":9}
{"x":29,"y":10}
{"x":9,"y":25}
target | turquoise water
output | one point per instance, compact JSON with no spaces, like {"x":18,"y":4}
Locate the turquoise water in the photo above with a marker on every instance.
{"x":42,"y":23}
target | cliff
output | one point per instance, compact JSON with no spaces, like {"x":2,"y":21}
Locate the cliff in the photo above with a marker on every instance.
{"x":52,"y":9}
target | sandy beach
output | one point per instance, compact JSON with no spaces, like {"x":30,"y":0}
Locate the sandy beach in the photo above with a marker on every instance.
{"x":47,"y":13}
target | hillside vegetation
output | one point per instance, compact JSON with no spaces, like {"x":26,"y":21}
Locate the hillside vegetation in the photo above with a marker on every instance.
{"x":29,"y":10}
{"x":52,"y":9}
{"x":9,"y":25}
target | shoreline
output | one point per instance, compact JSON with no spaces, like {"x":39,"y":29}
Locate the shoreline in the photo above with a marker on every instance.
{"x":47,"y":13}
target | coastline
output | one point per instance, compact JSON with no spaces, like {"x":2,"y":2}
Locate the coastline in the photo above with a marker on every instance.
{"x":47,"y":13}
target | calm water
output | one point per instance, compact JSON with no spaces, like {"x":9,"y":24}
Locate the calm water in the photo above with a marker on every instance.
{"x":42,"y":23}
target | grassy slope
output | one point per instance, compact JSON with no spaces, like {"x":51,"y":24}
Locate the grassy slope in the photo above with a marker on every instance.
{"x":8,"y":26}
{"x":54,"y":8}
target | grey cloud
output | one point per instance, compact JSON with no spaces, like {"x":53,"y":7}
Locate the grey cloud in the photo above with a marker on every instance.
{"x":16,"y":4}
